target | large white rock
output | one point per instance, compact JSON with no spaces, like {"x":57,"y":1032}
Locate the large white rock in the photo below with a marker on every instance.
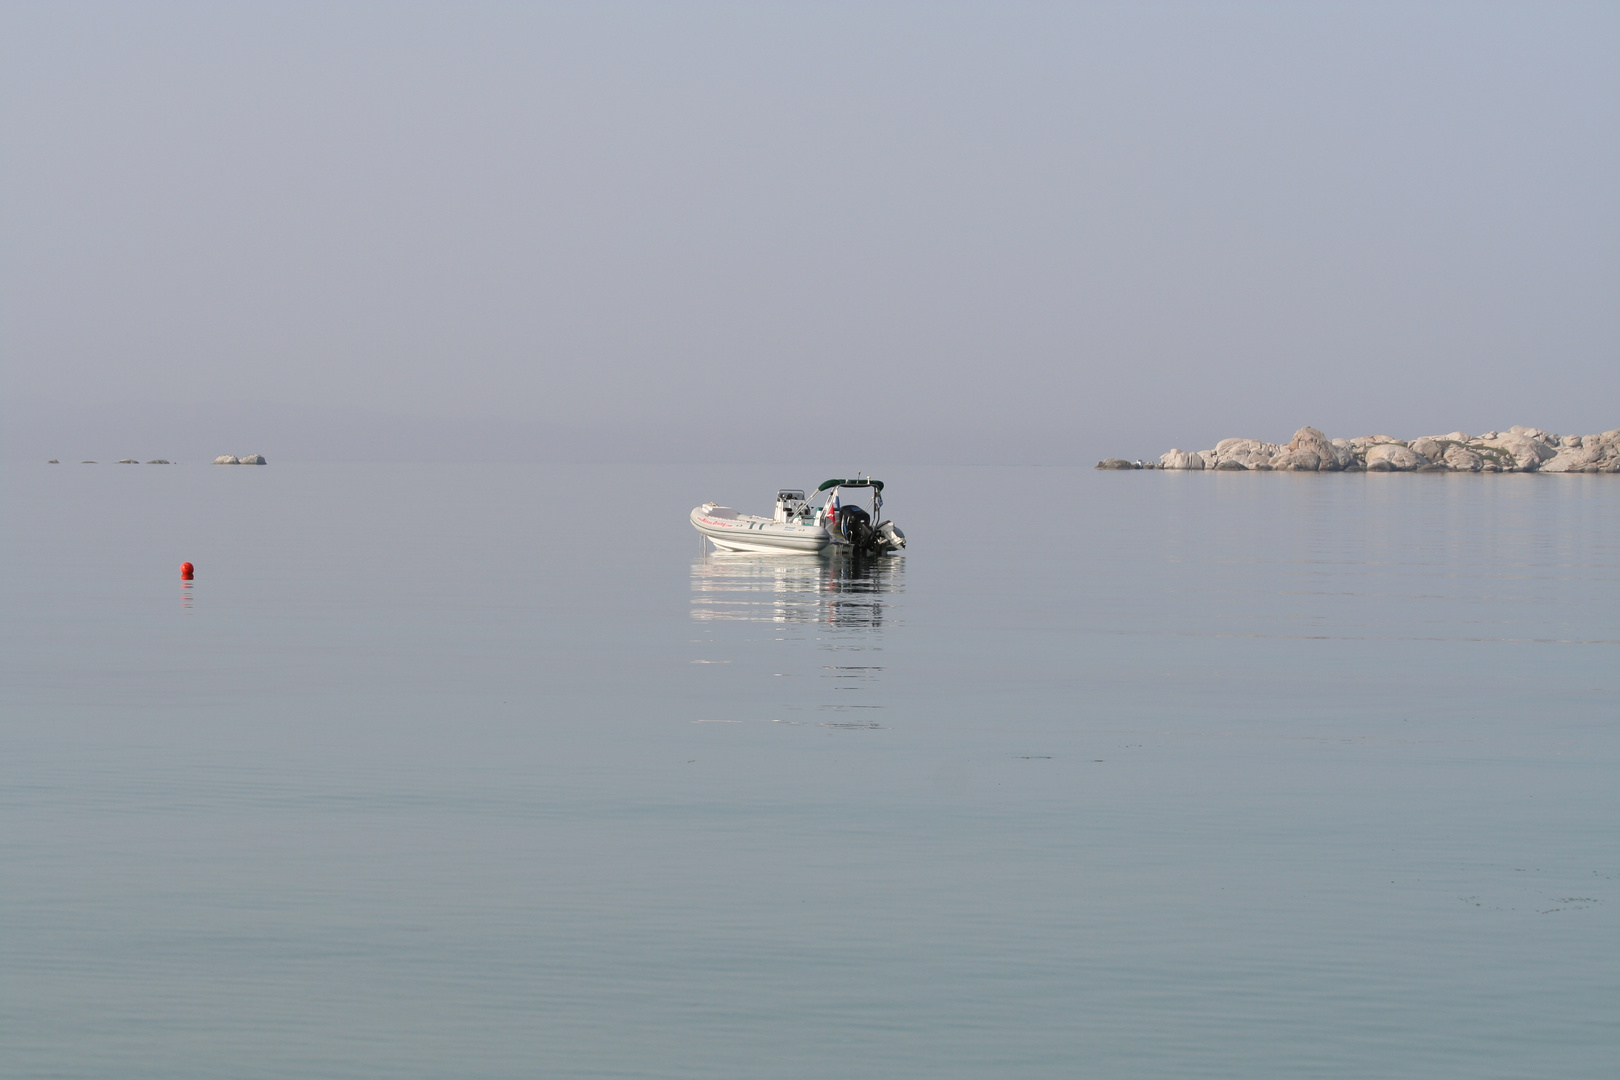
{"x":226,"y":459}
{"x":1394,"y":456}
{"x":1263,"y":456}
{"x":1310,"y":451}
{"x":1528,"y":453}
{"x":1428,"y":448}
{"x":1181,"y":459}
{"x":1607,"y":447}
{"x":1463,"y":459}
{"x":1569,"y":459}
{"x":1235,"y":453}
{"x":251,"y":459}
{"x":1306,"y":445}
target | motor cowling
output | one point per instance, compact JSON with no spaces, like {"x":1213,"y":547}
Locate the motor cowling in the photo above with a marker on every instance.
{"x":889,"y":537}
{"x":855,"y":525}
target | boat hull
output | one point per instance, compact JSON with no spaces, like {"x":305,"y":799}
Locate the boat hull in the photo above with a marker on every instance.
{"x":731,"y":531}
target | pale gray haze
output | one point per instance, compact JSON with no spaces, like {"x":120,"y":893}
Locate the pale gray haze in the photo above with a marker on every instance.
{"x":858,"y":233}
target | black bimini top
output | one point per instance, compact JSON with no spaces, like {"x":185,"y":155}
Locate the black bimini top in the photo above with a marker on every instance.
{"x":851,"y":483}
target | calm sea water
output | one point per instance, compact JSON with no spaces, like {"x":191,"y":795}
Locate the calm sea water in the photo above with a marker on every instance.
{"x":484,"y":771}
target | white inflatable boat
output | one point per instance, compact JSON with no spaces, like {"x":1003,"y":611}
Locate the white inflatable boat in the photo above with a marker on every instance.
{"x":797,"y":526}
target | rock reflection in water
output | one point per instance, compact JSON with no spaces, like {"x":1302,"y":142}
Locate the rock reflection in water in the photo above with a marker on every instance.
{"x":835,"y":591}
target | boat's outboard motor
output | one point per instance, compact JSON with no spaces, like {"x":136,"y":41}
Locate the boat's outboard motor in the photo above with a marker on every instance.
{"x":889,"y":537}
{"x":855,"y":525}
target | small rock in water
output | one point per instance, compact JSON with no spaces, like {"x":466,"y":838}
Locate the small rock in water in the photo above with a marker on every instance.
{"x":251,"y":459}
{"x":226,"y":459}
{"x":1116,"y":463}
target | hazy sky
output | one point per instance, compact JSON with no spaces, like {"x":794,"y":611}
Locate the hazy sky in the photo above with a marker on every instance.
{"x":1013,"y":231}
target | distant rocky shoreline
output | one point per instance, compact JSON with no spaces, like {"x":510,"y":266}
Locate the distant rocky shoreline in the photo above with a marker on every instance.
{"x":1519,"y":449}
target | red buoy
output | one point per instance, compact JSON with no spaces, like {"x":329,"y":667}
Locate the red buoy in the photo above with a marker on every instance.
{"x":186,"y":570}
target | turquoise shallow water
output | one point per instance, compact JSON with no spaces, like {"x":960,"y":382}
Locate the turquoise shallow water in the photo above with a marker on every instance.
{"x":1113,"y":774}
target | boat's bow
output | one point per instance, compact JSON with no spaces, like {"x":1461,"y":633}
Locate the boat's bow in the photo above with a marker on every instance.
{"x":744,"y":532}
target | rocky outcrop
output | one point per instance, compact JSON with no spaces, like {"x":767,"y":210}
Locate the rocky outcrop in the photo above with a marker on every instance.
{"x":1519,"y":449}
{"x":231,"y":459}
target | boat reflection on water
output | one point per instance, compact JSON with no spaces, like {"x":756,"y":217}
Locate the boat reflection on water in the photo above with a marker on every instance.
{"x":837,"y":592}
{"x":817,"y":620}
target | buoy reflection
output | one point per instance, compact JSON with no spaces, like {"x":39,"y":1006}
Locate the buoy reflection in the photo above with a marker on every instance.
{"x":185,"y":595}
